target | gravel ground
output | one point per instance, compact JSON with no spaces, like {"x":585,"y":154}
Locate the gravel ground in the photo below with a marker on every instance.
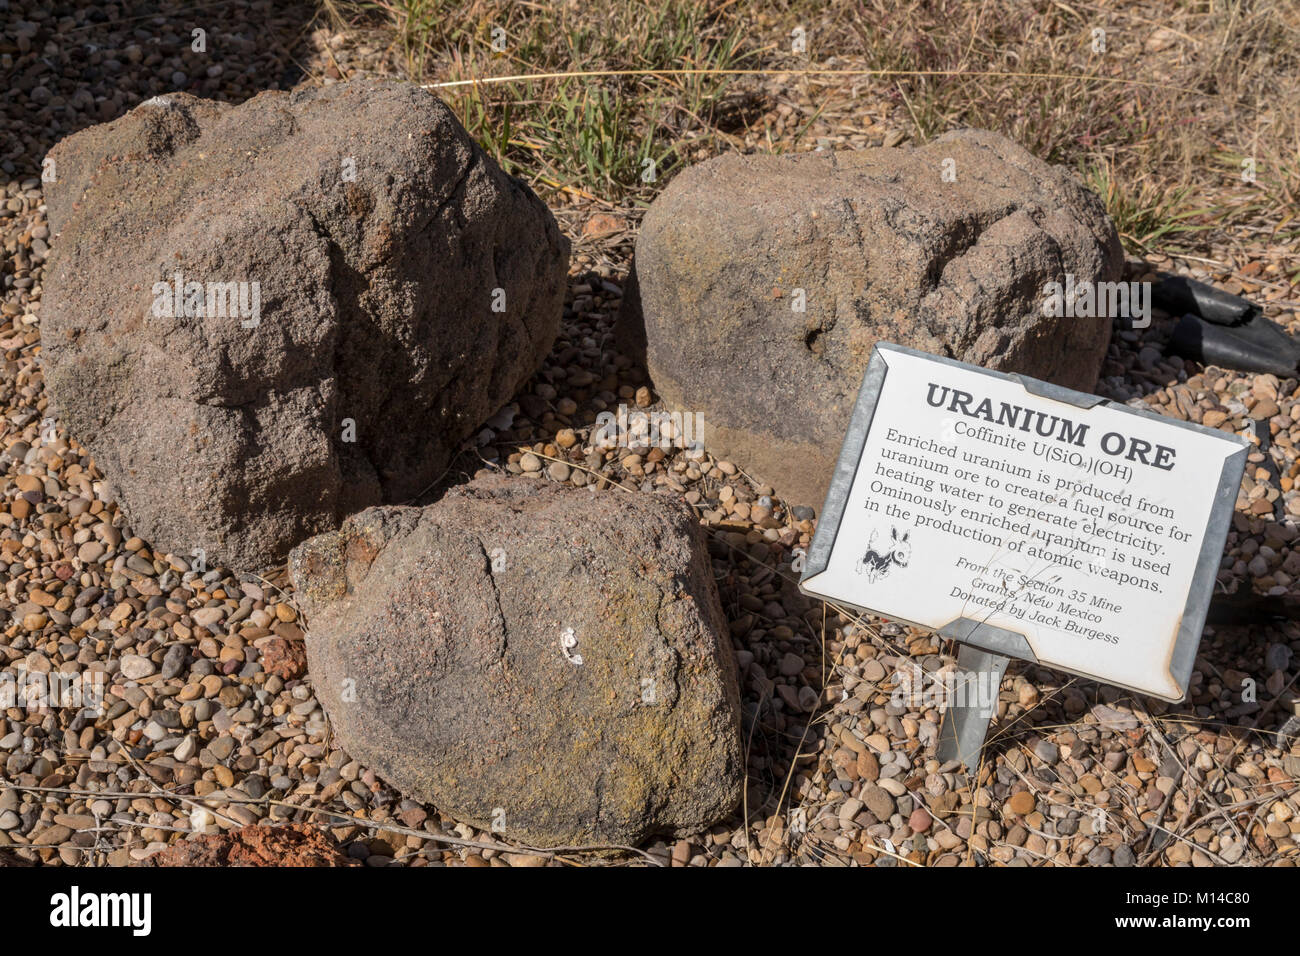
{"x":209,"y":722}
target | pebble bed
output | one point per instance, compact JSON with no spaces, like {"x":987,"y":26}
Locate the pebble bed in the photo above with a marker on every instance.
{"x":209,"y":721}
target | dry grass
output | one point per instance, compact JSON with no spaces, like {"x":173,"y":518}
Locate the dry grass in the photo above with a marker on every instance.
{"x":1158,"y":111}
{"x":617,"y":137}
{"x":1202,"y":87}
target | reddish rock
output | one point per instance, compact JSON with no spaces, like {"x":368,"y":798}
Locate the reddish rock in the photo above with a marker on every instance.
{"x":601,"y":225}
{"x":868,"y":766}
{"x":1021,"y":803}
{"x":919,"y":821}
{"x":295,"y":844}
{"x":287,"y":660}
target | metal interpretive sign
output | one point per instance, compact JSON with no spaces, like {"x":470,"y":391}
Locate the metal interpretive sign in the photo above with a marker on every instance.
{"x":1026,"y":520}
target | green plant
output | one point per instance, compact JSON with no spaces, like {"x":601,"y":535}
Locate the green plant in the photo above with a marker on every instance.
{"x":1145,"y":214}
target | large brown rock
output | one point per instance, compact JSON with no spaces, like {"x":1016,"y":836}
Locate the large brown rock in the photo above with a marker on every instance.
{"x":883,"y":249}
{"x":406,"y":288}
{"x":530,"y":657}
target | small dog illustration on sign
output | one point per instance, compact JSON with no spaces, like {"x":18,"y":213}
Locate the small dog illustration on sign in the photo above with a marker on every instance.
{"x":876,"y":564}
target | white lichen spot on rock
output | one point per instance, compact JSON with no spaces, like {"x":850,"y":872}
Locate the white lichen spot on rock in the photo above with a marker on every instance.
{"x":568,"y":641}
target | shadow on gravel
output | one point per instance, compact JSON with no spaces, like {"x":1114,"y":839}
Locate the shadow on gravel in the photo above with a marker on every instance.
{"x":65,"y":66}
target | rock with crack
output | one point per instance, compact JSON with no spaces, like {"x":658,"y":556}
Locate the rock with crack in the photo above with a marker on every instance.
{"x":530,"y":658}
{"x":262,"y":318}
{"x":762,"y":283}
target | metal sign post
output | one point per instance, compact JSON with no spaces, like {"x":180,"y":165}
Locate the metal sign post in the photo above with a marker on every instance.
{"x":966,"y":722}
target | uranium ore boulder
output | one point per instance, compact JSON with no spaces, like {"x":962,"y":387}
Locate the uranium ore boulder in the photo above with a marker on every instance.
{"x":262,"y":318}
{"x":764,"y":282}
{"x":530,"y":658}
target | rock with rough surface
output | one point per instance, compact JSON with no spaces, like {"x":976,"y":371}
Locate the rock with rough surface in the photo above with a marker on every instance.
{"x":294,"y":844}
{"x":397,"y":289}
{"x":875,"y":246}
{"x":530,"y":658}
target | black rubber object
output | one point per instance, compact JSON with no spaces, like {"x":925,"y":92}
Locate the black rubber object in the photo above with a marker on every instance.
{"x":1256,"y":346}
{"x":1225,"y":330}
{"x":1179,"y":296}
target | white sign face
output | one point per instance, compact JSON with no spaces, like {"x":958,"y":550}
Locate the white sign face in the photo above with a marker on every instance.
{"x":1092,"y":533}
